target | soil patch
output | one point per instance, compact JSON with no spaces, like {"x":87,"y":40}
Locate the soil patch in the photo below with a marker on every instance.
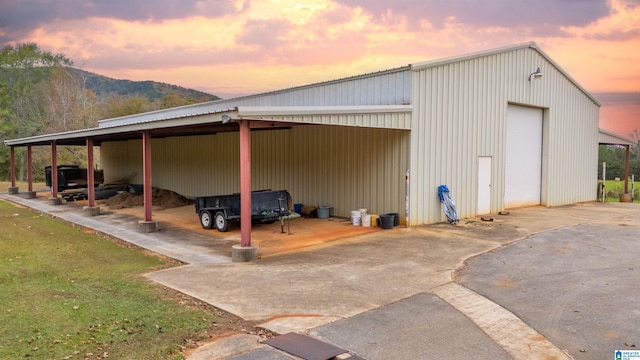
{"x":161,"y":198}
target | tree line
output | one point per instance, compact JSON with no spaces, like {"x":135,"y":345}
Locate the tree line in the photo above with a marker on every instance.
{"x":615,"y":158}
{"x":42,"y":93}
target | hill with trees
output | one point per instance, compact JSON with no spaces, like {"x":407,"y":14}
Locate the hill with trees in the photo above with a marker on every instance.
{"x":42,"y":93}
{"x":105,"y":87}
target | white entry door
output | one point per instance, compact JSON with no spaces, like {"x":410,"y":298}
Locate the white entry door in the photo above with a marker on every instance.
{"x":484,"y":185}
{"x":523,"y":168}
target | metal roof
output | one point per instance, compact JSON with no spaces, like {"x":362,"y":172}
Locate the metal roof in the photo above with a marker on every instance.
{"x":205,"y":123}
{"x":200,"y":120}
{"x":225,"y":104}
{"x":609,"y":138}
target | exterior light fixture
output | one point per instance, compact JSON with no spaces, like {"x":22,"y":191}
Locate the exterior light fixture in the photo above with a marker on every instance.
{"x":536,"y":75}
{"x":225,"y":118}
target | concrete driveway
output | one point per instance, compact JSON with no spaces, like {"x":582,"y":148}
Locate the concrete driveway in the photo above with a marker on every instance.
{"x":578,"y":285}
{"x":392,"y":295}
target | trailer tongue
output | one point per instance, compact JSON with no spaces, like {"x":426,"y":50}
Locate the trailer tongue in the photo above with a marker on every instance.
{"x":266,"y":207}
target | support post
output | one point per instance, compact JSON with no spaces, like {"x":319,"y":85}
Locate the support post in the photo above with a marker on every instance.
{"x":13,"y":167}
{"x":54,"y":200}
{"x":147,"y":225}
{"x":90,"y":174}
{"x":245,"y":183}
{"x":626,"y":170}
{"x":626,"y":197}
{"x":603,"y":186}
{"x":245,"y":251}
{"x":29,"y":169}
{"x":13,"y":189}
{"x":91,"y":210}
{"x":30,"y":193}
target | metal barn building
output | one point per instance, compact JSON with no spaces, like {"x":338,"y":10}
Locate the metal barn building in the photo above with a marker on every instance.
{"x":495,"y":129}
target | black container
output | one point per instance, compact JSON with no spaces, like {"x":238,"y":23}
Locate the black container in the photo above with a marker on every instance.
{"x":386,"y":221}
{"x":396,"y":219}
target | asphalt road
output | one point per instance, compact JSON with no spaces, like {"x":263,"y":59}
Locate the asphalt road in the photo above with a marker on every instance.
{"x":579,"y":286}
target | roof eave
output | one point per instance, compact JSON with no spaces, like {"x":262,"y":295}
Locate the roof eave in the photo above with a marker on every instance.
{"x":209,"y":118}
{"x":609,"y":138}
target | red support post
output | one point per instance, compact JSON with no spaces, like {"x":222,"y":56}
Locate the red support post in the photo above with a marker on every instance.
{"x":146,"y":164}
{"x":54,"y":170}
{"x":90,"y":174}
{"x":13,"y":167}
{"x":245,"y":183}
{"x":29,"y":169}
{"x":626,"y":171}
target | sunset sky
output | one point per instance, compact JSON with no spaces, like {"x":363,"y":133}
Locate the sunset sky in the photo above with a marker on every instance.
{"x":239,"y":47}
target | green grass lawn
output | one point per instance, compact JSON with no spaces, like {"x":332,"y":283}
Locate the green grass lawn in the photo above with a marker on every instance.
{"x":23,"y":186}
{"x":618,"y":187}
{"x":70,"y":294}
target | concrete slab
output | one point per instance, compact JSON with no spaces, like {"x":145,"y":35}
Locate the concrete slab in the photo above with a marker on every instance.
{"x":342,"y":280}
{"x":261,"y":354}
{"x":233,"y":347}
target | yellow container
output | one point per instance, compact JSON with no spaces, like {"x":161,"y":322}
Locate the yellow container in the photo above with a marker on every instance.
{"x":374,"y":220}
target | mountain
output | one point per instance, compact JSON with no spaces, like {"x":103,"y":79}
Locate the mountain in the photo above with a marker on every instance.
{"x":104,"y":86}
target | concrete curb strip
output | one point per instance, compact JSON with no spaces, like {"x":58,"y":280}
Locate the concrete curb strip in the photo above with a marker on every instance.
{"x":507,"y":330}
{"x":227,"y":347}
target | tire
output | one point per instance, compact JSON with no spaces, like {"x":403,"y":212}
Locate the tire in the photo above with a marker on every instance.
{"x":206,"y":220}
{"x":221,"y":222}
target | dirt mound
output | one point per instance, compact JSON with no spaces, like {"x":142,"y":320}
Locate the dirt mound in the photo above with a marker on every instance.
{"x":162,"y":198}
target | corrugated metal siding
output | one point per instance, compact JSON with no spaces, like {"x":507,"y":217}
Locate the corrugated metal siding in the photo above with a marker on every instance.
{"x":342,"y":167}
{"x":460,"y":114}
{"x":385,"y":88}
{"x":123,"y":161}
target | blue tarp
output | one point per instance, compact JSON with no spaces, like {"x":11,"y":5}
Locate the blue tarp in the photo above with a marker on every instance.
{"x":448,"y":204}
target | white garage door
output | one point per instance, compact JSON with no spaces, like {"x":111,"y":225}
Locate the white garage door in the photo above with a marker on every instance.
{"x":523,"y":173}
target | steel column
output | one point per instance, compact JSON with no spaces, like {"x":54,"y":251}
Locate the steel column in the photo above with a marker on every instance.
{"x":54,"y":170}
{"x":245,"y":183}
{"x":626,"y":171}
{"x":91,"y":193}
{"x":29,"y":169}
{"x":13,"y":167}
{"x":146,"y":164}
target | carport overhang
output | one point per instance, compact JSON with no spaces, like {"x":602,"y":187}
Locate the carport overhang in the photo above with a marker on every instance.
{"x":197,"y":120}
{"x":609,"y":138}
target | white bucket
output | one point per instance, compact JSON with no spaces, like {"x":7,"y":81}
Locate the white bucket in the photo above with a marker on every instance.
{"x":356,"y":217}
{"x":366,"y":220}
{"x":362,"y":211}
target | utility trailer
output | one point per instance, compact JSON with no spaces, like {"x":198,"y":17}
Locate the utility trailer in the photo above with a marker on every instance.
{"x":267,"y":206}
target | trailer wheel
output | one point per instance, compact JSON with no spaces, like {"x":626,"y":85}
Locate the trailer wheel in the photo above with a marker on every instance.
{"x":206,"y":220}
{"x":222,"y":224}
